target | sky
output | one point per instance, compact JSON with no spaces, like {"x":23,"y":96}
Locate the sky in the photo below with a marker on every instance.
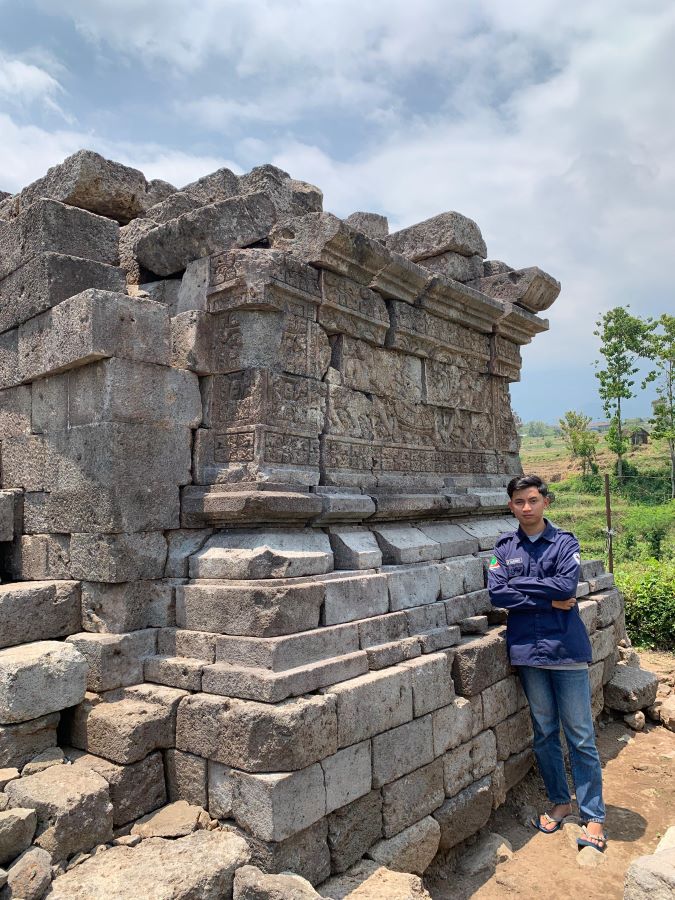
{"x":549,"y":122}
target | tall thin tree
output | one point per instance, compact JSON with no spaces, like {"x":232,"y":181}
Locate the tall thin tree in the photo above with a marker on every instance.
{"x":622,"y":342}
{"x":661,"y":350}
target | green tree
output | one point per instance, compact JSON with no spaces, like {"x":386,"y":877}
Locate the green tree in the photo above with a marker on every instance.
{"x":579,"y":439}
{"x":623,"y":339}
{"x":661,"y":350}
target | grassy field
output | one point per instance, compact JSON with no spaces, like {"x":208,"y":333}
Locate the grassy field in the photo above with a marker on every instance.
{"x":641,"y":510}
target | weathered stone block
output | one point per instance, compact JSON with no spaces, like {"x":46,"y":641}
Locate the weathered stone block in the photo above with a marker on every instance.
{"x":354,"y":548}
{"x":174,"y":671}
{"x":487,"y":531}
{"x":514,"y":734}
{"x":114,"y":660}
{"x":89,"y":181}
{"x":256,"y":608}
{"x":423,"y":619}
{"x":449,"y":231}
{"x":38,"y":610}
{"x":258,"y":737}
{"x":251,"y":683}
{"x":117,"y":390}
{"x":458,"y":769}
{"x":651,"y":877}
{"x":453,"y":725}
{"x":412,"y":797}
{"x":461,"y":576}
{"x":220,"y":790}
{"x":588,"y":610}
{"x":462,"y":815}
{"x":125,"y":729}
{"x":603,"y":643}
{"x":530,"y":288}
{"x":402,"y":544}
{"x":20,"y":743}
{"x":591,"y":568}
{"x":130,"y":606}
{"x":516,"y":768}
{"x":353,"y":829}
{"x":347,"y":775}
{"x":412,"y":850}
{"x":235,"y":222}
{"x":17,"y":827}
{"x":368,"y":879}
{"x":117,"y":557}
{"x":187,"y":777}
{"x":252,"y":884}
{"x":480,"y":662}
{"x":455,"y":265}
{"x":135,"y":789}
{"x":413,"y":586}
{"x":290,"y":651}
{"x":385,"y":655}
{"x":305,"y":853}
{"x":631,"y":689}
{"x":40,"y":678}
{"x":49,"y":279}
{"x":383,"y":629}
{"x":610,"y":607}
{"x":500,"y":700}
{"x":122,"y":507}
{"x":41,"y":557}
{"x":47,"y":225}
{"x":73,"y":808}
{"x":182,"y":543}
{"x":213,"y":506}
{"x":402,"y":750}
{"x":601,"y":582}
{"x":15,"y":408}
{"x":432,"y":685}
{"x":29,"y":877}
{"x":90,"y":326}
{"x":453,"y":540}
{"x":474,"y":625}
{"x":372,"y":704}
{"x":354,"y":596}
{"x":483,"y":754}
{"x":194,"y":644}
{"x":276,"y":806}
{"x":263,"y":554}
{"x":371,"y":224}
{"x":199,"y":865}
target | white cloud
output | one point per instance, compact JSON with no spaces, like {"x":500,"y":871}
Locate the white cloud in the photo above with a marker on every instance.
{"x":22,"y":82}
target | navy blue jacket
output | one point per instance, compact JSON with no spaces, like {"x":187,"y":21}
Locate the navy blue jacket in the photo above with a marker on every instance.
{"x":524,"y":577}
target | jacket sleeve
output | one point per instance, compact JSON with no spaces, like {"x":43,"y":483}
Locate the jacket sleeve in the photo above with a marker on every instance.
{"x":505,"y":595}
{"x":560,"y":586}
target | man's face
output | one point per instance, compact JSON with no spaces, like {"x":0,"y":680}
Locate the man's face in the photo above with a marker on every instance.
{"x":528,"y":506}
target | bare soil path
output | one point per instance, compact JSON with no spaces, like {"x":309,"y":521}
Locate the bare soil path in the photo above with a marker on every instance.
{"x":639,"y":789}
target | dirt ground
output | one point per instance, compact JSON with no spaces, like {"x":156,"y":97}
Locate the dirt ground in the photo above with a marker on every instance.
{"x":639,"y":790}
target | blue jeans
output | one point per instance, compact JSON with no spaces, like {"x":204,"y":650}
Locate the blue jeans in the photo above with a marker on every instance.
{"x":564,"y":698}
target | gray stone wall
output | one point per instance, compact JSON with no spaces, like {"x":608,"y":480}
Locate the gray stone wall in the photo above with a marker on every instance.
{"x":253,"y":464}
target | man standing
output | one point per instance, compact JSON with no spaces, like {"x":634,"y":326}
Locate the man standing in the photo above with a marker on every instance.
{"x":534,"y":575}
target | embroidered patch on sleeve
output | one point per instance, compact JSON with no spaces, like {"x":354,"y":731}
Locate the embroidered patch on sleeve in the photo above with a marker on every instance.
{"x":494,"y":563}
{"x":577,"y":558}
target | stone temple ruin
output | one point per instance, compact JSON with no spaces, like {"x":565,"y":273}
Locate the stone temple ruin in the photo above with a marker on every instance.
{"x":253,"y":464}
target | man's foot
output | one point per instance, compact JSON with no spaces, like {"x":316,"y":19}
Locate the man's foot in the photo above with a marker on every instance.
{"x":594,"y":836}
{"x":550,"y":822}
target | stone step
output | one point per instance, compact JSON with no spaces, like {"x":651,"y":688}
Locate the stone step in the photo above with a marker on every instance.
{"x":182,"y":672}
{"x":289,"y":651}
{"x":268,"y":553}
{"x":250,"y":683}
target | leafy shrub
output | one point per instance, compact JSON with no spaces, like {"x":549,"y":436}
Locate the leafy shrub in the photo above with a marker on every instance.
{"x":645,"y":531}
{"x":649,"y":590}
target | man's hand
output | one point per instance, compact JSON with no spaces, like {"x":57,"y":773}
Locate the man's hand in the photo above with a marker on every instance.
{"x":564,"y":604}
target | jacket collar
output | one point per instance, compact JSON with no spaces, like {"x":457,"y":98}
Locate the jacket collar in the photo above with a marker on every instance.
{"x":548,"y":534}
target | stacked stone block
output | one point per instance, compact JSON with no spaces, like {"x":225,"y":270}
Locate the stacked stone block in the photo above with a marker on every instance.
{"x":253,"y":466}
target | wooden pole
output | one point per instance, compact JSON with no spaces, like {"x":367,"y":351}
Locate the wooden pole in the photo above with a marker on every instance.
{"x":608,"y":513}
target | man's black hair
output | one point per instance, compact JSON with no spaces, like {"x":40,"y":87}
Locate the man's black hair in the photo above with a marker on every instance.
{"x":520,"y":482}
